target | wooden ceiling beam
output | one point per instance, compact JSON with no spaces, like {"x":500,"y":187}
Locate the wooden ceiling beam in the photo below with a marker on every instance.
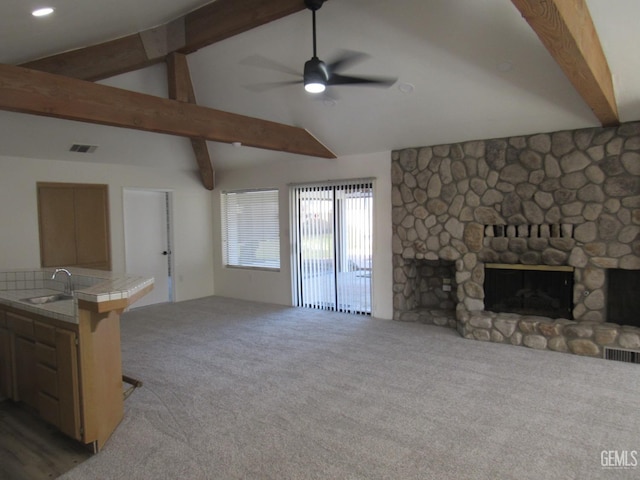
{"x":566,"y":29}
{"x":181,"y":89}
{"x":225,"y":18}
{"x":206,"y":25}
{"x":97,"y":61}
{"x":40,"y":93}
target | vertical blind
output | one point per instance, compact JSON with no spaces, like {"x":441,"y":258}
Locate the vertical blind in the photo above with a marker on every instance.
{"x":333,"y":246}
{"x":251,"y":229}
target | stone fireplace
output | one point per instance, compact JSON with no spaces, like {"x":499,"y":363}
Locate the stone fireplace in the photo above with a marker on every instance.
{"x":559,"y":202}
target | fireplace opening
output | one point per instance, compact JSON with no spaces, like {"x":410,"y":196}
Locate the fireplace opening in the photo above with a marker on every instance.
{"x":623,"y":297}
{"x":434,"y":284}
{"x":528,"y":290}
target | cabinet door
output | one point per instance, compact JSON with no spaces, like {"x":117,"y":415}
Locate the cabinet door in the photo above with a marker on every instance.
{"x":25,"y":369}
{"x":68,"y":388}
{"x":74,"y":225}
{"x":6,"y":364}
{"x":92,"y":227}
{"x":57,"y":226}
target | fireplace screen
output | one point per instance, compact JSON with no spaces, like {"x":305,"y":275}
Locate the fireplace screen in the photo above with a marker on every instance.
{"x":547,"y":293}
{"x":623,"y":297}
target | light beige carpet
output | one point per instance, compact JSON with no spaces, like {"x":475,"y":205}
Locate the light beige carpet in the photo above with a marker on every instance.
{"x":237,"y":390}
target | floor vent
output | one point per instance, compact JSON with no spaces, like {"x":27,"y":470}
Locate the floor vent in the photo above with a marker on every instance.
{"x":76,"y":147}
{"x":628,"y":356}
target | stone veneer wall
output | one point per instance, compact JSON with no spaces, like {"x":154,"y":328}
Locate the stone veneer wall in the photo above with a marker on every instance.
{"x":566,"y":198}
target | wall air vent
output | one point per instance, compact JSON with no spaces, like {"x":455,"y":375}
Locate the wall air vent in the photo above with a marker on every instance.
{"x":76,"y":147}
{"x":621,"y":355}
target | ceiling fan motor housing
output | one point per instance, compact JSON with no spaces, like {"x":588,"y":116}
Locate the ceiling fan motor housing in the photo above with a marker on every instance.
{"x":315,"y":71}
{"x":314,"y":4}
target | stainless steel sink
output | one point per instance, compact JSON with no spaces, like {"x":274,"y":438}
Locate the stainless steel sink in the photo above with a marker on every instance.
{"x":57,"y":297}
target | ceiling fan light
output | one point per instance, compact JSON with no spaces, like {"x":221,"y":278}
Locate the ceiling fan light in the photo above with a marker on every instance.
{"x":42,"y":12}
{"x":316,"y":76}
{"x":315,"y":87}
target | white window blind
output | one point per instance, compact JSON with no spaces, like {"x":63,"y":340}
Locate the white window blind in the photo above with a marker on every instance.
{"x":251,"y":229}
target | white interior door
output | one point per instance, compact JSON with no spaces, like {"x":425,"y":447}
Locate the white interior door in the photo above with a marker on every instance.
{"x":147,"y":241}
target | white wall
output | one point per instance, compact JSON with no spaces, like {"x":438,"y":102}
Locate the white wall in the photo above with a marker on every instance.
{"x":192,"y":214}
{"x":275,"y":287}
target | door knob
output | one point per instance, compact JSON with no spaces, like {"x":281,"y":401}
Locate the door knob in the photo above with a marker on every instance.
{"x":166,"y":252}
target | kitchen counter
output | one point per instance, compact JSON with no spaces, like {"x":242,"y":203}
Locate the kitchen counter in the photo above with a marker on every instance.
{"x":63,"y":358}
{"x":93,"y":290}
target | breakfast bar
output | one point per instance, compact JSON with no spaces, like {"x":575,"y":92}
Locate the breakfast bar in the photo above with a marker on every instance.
{"x":60,"y":346}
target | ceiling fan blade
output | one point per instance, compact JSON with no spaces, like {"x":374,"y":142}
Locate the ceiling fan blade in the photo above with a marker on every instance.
{"x":266,"y":63}
{"x":345,"y":59}
{"x":263,"y":87}
{"x":336,"y":79}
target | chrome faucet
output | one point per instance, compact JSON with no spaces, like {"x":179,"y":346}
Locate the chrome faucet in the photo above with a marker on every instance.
{"x":68,"y":290}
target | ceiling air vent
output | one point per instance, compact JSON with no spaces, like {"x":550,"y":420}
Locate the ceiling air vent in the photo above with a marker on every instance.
{"x":628,"y":356}
{"x":76,"y":147}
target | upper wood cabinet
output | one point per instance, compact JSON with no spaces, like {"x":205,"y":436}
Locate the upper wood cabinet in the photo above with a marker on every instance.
{"x":74,"y":225}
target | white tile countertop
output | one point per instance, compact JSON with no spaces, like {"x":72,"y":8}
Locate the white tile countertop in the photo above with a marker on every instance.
{"x":94,"y":286}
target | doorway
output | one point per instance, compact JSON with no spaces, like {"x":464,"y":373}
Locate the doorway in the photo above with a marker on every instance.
{"x":147,"y":232}
{"x":333,"y":246}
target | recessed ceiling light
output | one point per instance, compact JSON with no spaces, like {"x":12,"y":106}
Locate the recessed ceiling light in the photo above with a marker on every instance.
{"x":505,"y":66}
{"x":42,"y":12}
{"x":406,"y":88}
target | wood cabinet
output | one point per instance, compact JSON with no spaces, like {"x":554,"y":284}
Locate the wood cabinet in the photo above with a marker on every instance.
{"x":69,"y":366}
{"x":24,"y":358}
{"x":74,"y":225}
{"x":25,"y":369}
{"x":6,"y":359}
{"x":39,"y":367}
{"x":57,"y":378}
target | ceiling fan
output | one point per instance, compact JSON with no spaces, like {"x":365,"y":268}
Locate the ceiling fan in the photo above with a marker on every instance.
{"x":318,"y":75}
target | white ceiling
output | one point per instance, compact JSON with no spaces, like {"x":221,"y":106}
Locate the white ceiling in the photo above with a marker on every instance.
{"x":449,"y":50}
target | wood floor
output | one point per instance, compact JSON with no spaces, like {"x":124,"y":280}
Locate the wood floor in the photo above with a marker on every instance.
{"x":32,"y":450}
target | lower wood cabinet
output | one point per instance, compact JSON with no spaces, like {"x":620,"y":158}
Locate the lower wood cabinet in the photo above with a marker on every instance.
{"x":68,"y":384}
{"x":39,"y":367}
{"x":25,"y":371}
{"x":70,"y":372}
{"x":6,"y":359}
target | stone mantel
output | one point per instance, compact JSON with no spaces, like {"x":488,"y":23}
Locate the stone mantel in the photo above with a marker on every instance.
{"x":568,"y":198}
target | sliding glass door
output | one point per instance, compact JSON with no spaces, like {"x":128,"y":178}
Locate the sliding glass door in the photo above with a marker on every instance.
{"x":332,"y":226}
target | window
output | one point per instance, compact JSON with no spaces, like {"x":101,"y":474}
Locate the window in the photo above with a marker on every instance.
{"x":251,"y":229}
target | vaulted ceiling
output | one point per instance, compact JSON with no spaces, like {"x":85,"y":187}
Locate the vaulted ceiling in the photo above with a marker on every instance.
{"x":466,"y":69}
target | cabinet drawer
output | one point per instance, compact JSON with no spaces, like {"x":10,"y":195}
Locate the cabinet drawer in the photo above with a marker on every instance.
{"x":46,"y":355}
{"x":45,"y":333}
{"x":20,"y":325}
{"x":47,"y":380}
{"x":49,"y":409}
